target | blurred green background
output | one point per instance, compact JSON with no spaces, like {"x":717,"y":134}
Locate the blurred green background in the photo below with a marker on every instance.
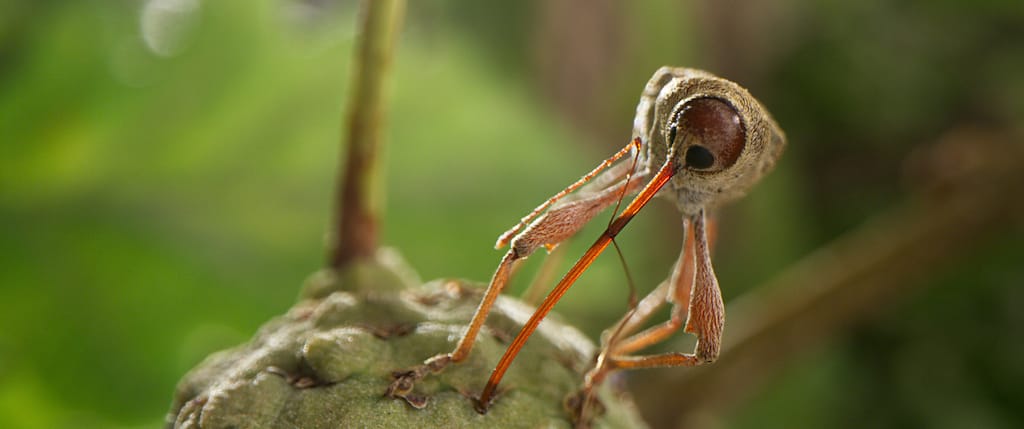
{"x":166,"y":169}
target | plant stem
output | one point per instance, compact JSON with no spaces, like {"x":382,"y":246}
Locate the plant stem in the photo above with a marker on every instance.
{"x":359,"y":195}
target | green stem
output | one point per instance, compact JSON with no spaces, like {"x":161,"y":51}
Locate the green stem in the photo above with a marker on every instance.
{"x":359,"y":196}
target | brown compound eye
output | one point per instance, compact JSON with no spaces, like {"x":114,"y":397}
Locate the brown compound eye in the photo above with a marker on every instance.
{"x":712,"y":134}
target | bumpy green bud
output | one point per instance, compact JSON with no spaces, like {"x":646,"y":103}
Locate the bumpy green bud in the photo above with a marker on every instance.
{"x":328,"y":362}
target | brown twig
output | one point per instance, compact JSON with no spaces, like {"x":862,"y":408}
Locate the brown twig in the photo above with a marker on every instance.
{"x":359,"y":192}
{"x":972,"y":191}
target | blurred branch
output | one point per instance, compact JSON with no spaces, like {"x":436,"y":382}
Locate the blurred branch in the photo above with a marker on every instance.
{"x":973,"y":187}
{"x":577,"y":49}
{"x":359,"y":192}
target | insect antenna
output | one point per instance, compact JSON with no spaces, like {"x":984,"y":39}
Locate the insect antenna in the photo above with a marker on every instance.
{"x":615,"y":212}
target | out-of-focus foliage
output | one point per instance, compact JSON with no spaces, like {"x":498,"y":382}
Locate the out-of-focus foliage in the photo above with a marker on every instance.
{"x":166,"y":169}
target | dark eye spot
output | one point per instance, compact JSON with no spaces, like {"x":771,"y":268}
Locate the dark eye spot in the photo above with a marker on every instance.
{"x":699,"y":157}
{"x":714,"y":132}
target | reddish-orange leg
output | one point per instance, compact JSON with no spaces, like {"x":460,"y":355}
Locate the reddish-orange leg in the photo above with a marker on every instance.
{"x":676,"y":289}
{"x":705,"y":318}
{"x":532,"y":232}
{"x":694,"y":293}
{"x":657,"y":182}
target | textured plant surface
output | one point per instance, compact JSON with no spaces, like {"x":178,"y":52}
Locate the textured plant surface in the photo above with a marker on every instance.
{"x":328,"y":361}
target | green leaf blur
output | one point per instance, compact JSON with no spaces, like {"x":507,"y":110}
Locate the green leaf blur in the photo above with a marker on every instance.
{"x":159,"y":202}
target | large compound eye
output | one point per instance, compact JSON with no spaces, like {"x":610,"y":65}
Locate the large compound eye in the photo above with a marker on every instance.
{"x":711,"y":133}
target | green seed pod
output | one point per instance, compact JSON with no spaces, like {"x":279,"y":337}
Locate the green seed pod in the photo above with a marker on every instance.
{"x":328,"y":361}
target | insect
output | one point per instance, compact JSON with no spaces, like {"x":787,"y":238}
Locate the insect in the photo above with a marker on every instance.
{"x":698,"y":140}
